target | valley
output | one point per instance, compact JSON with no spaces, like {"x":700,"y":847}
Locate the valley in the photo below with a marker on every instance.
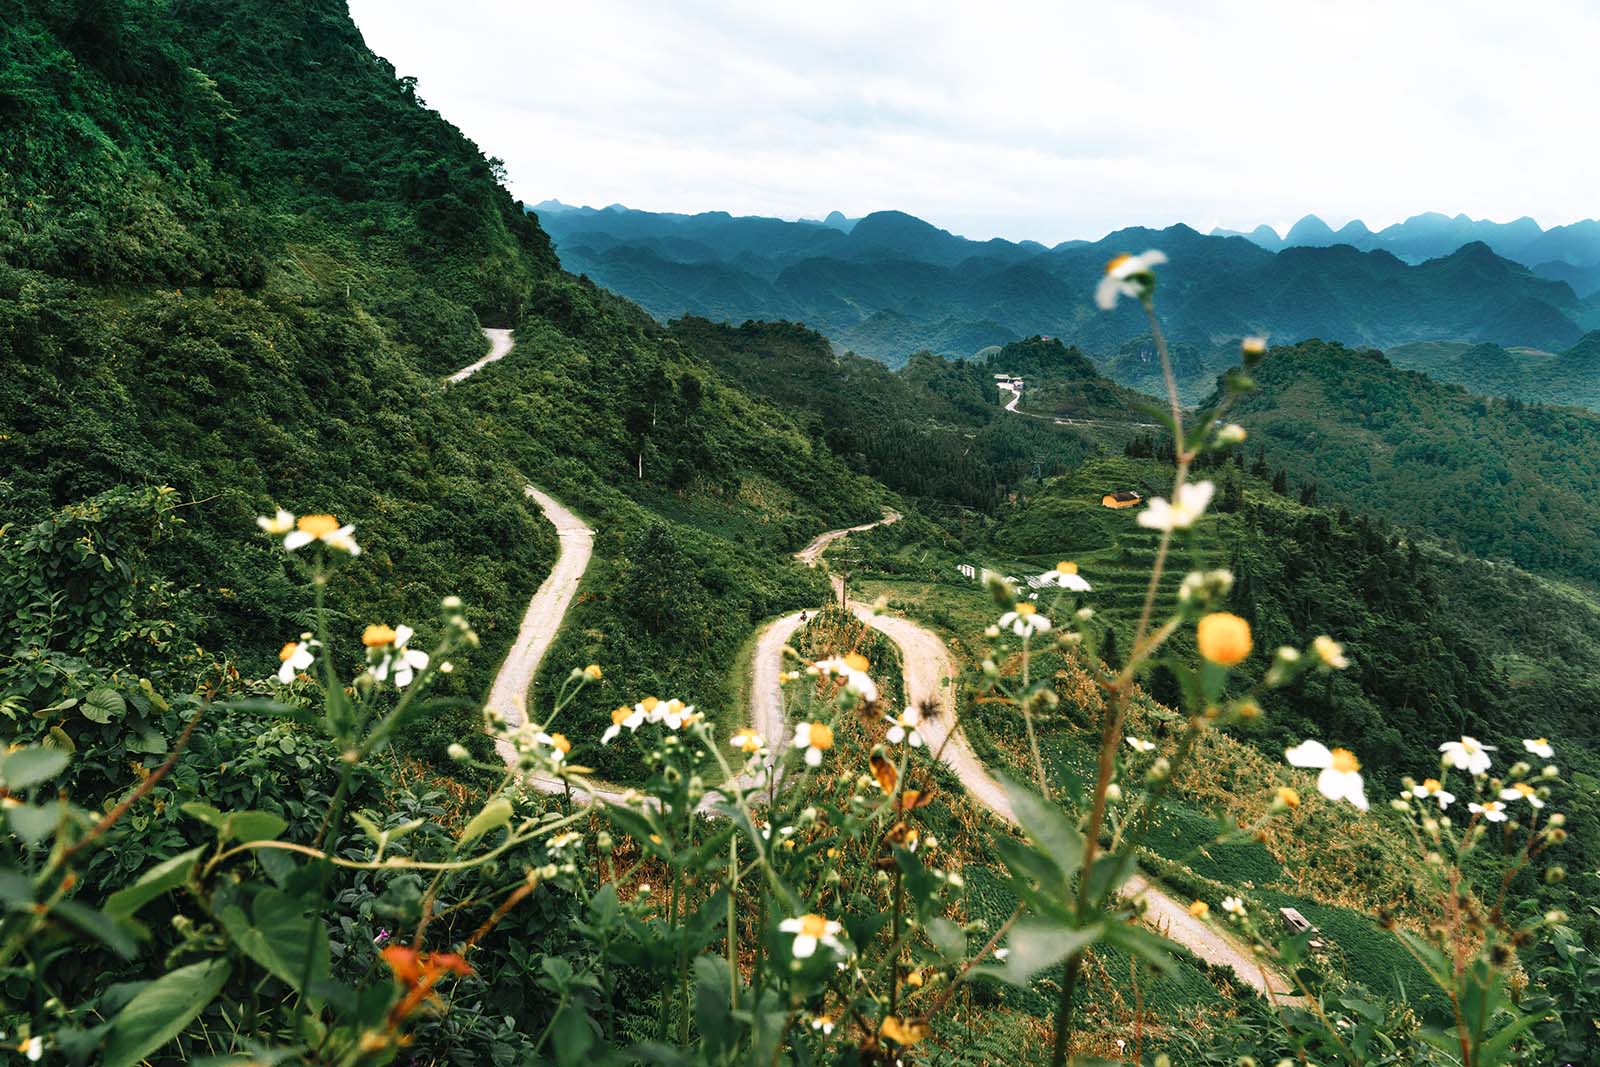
{"x":435,"y":629}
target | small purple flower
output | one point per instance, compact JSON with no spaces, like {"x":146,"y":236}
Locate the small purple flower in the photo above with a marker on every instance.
{"x":383,"y":935}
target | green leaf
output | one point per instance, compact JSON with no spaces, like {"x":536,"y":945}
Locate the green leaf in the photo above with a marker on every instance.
{"x":33,"y":823}
{"x":1036,"y":946}
{"x":104,"y":704}
{"x":947,"y":937}
{"x":30,"y":766}
{"x":167,"y":874}
{"x":494,"y":815}
{"x":1048,"y":827}
{"x":98,"y":924}
{"x":205,"y":813}
{"x":250,"y":826}
{"x":282,"y":935}
{"x":712,"y":1004}
{"x":161,"y":1010}
{"x":572,"y":1036}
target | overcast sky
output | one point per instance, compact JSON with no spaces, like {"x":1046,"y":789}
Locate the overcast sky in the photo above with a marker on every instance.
{"x":1023,"y":120}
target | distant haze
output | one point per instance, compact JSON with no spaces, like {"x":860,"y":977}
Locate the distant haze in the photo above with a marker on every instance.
{"x":1046,"y":121}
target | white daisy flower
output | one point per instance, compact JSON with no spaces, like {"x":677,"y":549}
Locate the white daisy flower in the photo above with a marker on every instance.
{"x":1138,"y":744}
{"x":1341,"y":771}
{"x":852,"y":671}
{"x":1234,"y":907}
{"x":673,"y":714}
{"x":1330,"y":653}
{"x":822,"y":1023}
{"x":1432,"y":788}
{"x":1193,"y":498}
{"x":1539,"y":746}
{"x":1130,"y":276}
{"x":1468,"y":754}
{"x":324,"y":528}
{"x":810,"y":931}
{"x":1522,"y":791}
{"x":278,"y":524}
{"x":1066,"y":576}
{"x":814,"y":738}
{"x":1491,"y":810}
{"x":558,"y":745}
{"x":390,"y":658}
{"x":297,"y":656}
{"x":748,"y":741}
{"x":1025,"y":621}
{"x":33,"y":1048}
{"x":903,"y":727}
{"x":631,"y":718}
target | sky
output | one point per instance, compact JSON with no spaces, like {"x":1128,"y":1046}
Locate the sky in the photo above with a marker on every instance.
{"x":1047,"y":121}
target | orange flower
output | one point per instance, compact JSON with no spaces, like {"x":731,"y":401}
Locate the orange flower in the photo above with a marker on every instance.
{"x":419,"y":972}
{"x":378,"y":636}
{"x":1224,"y":638}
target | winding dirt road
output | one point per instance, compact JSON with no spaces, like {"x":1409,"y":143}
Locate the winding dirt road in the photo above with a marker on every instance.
{"x":1016,"y":398}
{"x":929,"y":677}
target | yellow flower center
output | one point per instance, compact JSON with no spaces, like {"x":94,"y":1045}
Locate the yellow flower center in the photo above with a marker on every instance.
{"x":1431,"y":785}
{"x":1117,"y":261}
{"x":317,"y":525}
{"x":1199,"y":909}
{"x":620,"y":715}
{"x":649,"y":704}
{"x":747,"y":740}
{"x":813,"y":926}
{"x":1025,"y":609}
{"x":820,"y":736}
{"x":1067,"y":567}
{"x":560,"y":743}
{"x":857,"y":662}
{"x":1344,"y":761}
{"x":378,"y":635}
{"x":1288,"y":797}
{"x":1224,"y":638}
{"x":1541,"y":741}
{"x":592,"y":672}
{"x":1524,"y":788}
{"x":288,"y":650}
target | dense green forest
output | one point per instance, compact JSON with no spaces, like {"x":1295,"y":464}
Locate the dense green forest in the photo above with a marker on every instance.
{"x":238,"y":256}
{"x":279,"y":289}
{"x":1500,"y":478}
{"x":891,"y":284}
{"x":1571,"y":376}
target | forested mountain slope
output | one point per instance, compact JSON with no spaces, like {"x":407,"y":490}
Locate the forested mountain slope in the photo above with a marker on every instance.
{"x":1502,"y":479}
{"x":237,"y":255}
{"x":895,"y":284}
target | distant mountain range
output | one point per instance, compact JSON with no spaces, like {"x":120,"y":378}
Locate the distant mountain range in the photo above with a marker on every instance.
{"x":1564,"y":253}
{"x":890,"y":284}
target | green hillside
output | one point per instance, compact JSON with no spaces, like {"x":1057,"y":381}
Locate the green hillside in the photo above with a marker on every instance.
{"x":1569,"y":376}
{"x":273,"y":252}
{"x":893,"y":285}
{"x":1502,"y":479}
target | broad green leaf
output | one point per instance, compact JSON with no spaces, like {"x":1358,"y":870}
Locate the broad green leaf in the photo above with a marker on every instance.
{"x":104,"y":704}
{"x":1037,"y":945}
{"x":281,"y":935}
{"x":713,"y":1003}
{"x":167,"y":874}
{"x":205,"y":813}
{"x":114,"y":932}
{"x":161,"y":1010}
{"x":1048,"y":827}
{"x":29,"y":766}
{"x":947,"y":937}
{"x":572,"y":1036}
{"x":494,"y":815}
{"x":250,"y":826}
{"x":33,"y":823}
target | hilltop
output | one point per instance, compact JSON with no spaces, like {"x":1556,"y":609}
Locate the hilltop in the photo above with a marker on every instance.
{"x":1563,"y":253}
{"x":894,"y":284}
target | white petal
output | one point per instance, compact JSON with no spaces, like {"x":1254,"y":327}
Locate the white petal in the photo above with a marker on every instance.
{"x":804,"y":946}
{"x":1309,"y":754}
{"x":814,"y":757}
{"x":402,"y":634}
{"x":287,"y":671}
{"x":297,"y":539}
{"x":1106,"y":293}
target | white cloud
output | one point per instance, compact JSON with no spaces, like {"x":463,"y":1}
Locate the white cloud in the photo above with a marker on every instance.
{"x":1041,"y":120}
